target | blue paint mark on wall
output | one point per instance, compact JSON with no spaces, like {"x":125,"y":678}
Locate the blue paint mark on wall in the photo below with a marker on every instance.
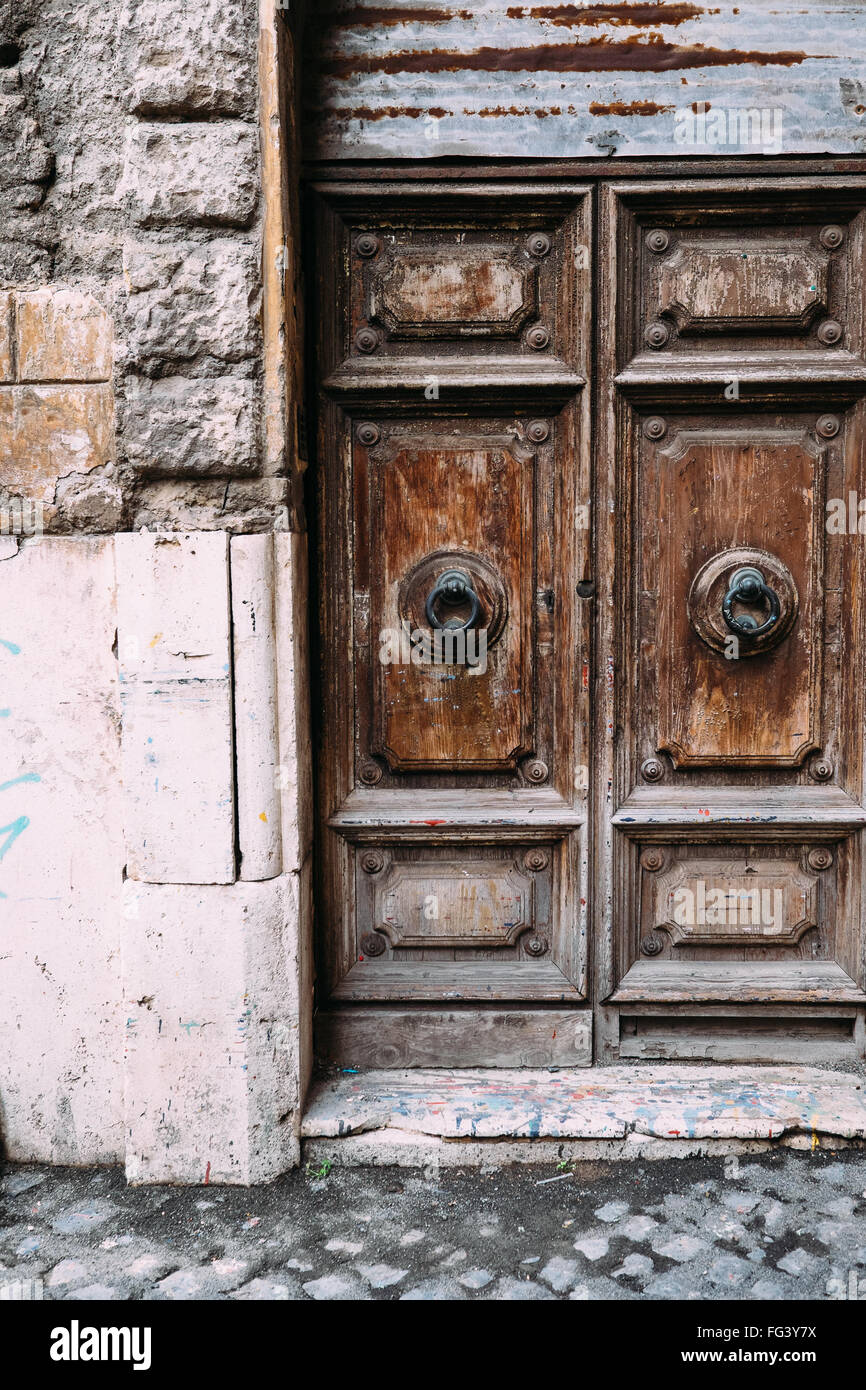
{"x":18,"y":826}
{"x":25,"y":777}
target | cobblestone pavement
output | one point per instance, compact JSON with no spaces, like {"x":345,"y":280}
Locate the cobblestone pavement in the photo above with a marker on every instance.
{"x":781,"y":1225}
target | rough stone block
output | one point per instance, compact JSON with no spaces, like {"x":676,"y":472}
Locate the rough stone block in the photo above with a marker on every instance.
{"x":63,"y":335}
{"x":199,"y":427}
{"x":187,"y":59}
{"x":23,"y":262}
{"x":47,"y":432}
{"x":190,"y":300}
{"x":243,"y":505}
{"x":24,"y":156}
{"x":199,"y":173}
{"x":88,"y":502}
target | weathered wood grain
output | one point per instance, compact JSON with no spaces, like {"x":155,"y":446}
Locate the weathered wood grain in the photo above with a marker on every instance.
{"x":481,"y":811}
{"x":765,"y":982}
{"x":367,"y":1038}
{"x":464,"y":980}
{"x":466,"y":501}
{"x":727,"y":1033}
{"x":765,"y":810}
{"x":709,"y":482}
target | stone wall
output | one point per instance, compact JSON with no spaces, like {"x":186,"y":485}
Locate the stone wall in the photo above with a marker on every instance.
{"x":132,"y":193}
{"x":155,"y":895}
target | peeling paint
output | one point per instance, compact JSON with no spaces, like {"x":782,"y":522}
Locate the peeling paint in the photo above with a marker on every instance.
{"x":603,"y":1103}
{"x":633,"y":108}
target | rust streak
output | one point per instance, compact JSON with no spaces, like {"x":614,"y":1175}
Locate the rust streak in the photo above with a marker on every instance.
{"x":570,"y":16}
{"x":499,"y":111}
{"x":379,"y":113}
{"x":631,"y":108}
{"x":599,"y":55}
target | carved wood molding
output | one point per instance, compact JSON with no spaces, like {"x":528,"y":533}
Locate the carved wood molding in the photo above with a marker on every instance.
{"x":452,"y":290}
{"x":476,"y":903}
{"x":719,"y":902}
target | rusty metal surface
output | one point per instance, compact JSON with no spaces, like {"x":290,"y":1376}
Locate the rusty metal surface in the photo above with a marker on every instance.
{"x":395,"y":80}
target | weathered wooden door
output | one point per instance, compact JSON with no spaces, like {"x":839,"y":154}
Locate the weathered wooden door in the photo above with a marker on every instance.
{"x":590,"y":624}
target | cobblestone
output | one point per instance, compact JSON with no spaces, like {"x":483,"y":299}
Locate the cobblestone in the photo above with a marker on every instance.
{"x":782,"y":1226}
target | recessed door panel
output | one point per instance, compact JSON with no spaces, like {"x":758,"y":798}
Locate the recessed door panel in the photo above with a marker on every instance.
{"x":460,"y":287}
{"x":452,"y":545}
{"x":739,"y":669}
{"x":480,"y":898}
{"x":474,"y":289}
{"x":754,"y":269}
{"x":719,"y":901}
{"x":740,"y":282}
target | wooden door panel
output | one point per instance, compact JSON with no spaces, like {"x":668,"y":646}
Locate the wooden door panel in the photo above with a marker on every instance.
{"x":427,"y":287}
{"x":479,"y":497}
{"x":710,"y":282}
{"x":725,"y":495}
{"x":491,"y":274}
{"x":474,"y":904}
{"x":453,"y":288}
{"x":731,"y":491}
{"x":494,"y":915}
{"x":738,"y":901}
{"x":756,"y":266}
{"x":443,"y":501}
{"x":471,"y":899}
{"x":504,"y":1037}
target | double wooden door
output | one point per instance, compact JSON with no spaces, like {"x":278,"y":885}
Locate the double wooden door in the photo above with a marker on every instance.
{"x":590,"y":618}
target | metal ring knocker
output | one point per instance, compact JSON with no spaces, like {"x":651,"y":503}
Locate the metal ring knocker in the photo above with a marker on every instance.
{"x":749,"y":586}
{"x":453,"y":587}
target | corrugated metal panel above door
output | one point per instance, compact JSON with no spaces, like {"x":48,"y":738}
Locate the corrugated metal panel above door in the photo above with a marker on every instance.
{"x":395,"y":80}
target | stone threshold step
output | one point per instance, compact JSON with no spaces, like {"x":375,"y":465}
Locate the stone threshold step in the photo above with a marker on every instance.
{"x":390,"y":1148}
{"x":615,"y":1110}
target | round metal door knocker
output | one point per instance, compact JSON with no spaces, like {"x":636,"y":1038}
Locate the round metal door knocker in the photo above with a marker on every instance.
{"x":451,"y":589}
{"x":748,"y":587}
{"x":454,"y":590}
{"x":743,"y":602}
